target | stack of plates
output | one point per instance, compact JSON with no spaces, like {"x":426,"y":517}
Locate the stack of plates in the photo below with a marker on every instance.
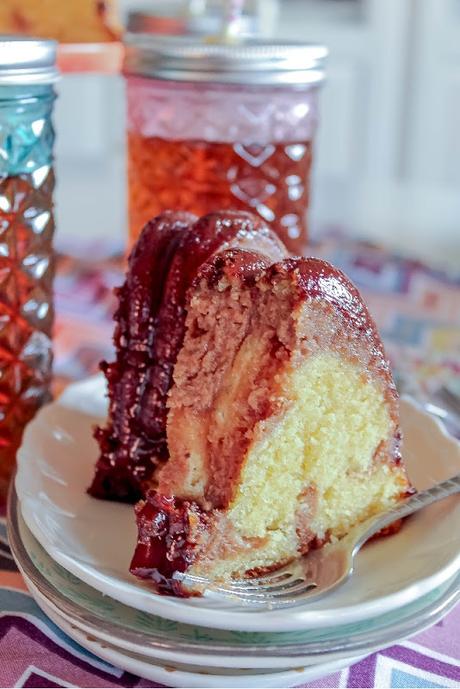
{"x":74,"y":553}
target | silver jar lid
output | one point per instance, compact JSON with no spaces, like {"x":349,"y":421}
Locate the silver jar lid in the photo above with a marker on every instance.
{"x":251,"y":62}
{"x":27,"y":60}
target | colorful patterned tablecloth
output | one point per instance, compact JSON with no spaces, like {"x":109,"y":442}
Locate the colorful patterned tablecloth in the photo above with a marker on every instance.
{"x":418,"y":312}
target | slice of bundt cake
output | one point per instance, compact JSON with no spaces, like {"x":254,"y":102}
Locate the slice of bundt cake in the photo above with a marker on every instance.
{"x":283,"y":429}
{"x":150,"y":325}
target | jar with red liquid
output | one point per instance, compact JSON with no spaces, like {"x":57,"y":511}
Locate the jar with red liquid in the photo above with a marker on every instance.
{"x":27,"y":74}
{"x":215,"y":126}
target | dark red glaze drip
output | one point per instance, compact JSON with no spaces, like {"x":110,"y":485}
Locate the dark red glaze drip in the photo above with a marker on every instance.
{"x":320,"y":280}
{"x":149,"y":333}
{"x":168,"y":528}
{"x":244,"y":266}
{"x":130,"y":449}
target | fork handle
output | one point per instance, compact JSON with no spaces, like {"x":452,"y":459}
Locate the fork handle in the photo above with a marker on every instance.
{"x":410,"y":505}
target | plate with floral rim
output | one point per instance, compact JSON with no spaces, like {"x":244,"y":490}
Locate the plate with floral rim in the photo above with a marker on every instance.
{"x":94,"y":540}
{"x":166,"y":640}
{"x":180,"y":675}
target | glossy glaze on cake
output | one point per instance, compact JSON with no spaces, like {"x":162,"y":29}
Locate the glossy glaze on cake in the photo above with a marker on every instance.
{"x":149,"y":332}
{"x":283,"y":427}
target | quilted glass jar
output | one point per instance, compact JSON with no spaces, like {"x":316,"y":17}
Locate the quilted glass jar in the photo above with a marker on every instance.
{"x":216,"y":126}
{"x":27,"y":73}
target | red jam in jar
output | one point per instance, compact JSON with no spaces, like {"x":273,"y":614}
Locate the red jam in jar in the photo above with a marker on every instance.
{"x":214,"y":126}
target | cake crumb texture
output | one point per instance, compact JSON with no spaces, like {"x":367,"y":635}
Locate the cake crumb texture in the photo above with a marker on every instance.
{"x":283,"y":418}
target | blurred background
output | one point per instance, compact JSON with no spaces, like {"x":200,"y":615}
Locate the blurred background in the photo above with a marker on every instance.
{"x":387,"y":163}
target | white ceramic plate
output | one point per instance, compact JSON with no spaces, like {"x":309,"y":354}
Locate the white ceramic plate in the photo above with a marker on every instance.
{"x":94,"y":540}
{"x":167,"y":641}
{"x":180,"y":675}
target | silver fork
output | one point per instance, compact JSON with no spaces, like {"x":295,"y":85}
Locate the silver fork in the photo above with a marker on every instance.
{"x":325,"y":569}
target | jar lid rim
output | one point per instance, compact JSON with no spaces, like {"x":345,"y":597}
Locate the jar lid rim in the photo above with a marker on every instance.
{"x":249,"y":61}
{"x":25,"y":60}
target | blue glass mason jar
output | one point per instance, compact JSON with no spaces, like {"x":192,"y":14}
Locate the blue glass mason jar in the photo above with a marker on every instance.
{"x":27,"y":75}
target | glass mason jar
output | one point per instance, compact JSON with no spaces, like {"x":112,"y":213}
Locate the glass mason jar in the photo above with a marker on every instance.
{"x":27,"y":72}
{"x":218,"y":126}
